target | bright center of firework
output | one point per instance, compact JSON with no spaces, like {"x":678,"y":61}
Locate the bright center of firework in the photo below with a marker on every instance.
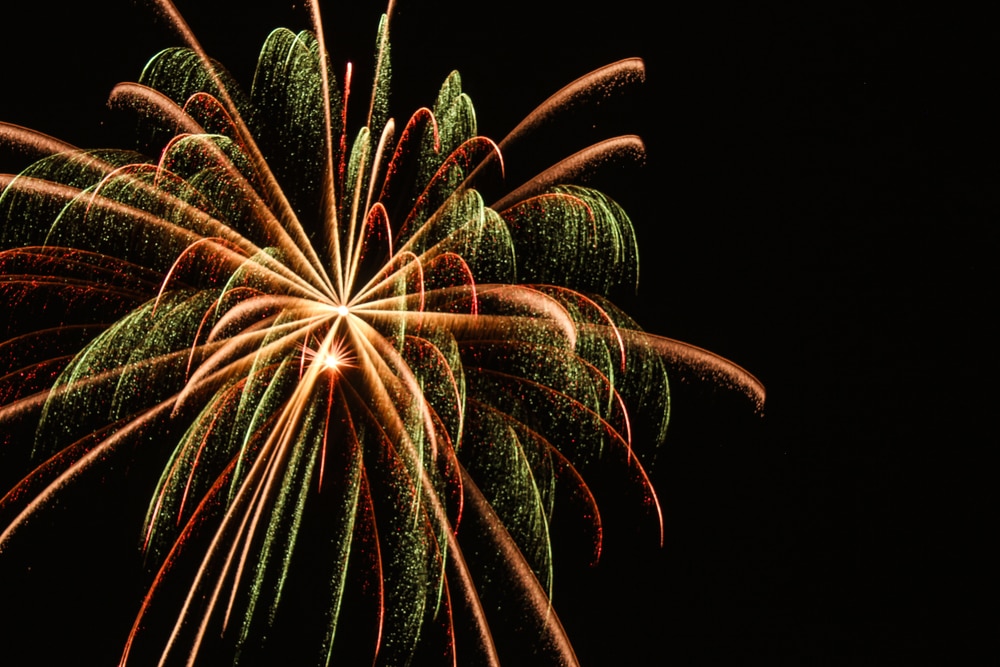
{"x":342,"y":311}
{"x":331,"y":360}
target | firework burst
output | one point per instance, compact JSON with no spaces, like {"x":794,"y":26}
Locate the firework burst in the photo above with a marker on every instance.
{"x":364,"y":386}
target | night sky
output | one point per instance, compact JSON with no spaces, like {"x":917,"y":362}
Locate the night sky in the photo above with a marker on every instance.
{"x":819,"y":204}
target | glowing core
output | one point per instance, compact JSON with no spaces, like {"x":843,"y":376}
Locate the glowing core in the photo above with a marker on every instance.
{"x":331,"y":360}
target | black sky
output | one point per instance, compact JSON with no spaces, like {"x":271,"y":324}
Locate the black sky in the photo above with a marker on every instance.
{"x":819,"y":204}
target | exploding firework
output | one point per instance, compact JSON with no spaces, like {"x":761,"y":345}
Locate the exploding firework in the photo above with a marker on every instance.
{"x":363,"y":386}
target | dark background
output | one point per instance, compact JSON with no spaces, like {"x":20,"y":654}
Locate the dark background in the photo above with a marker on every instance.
{"x":819,"y":204}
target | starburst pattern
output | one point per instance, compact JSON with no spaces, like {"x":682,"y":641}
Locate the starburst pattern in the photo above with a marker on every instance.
{"x":367,"y":387}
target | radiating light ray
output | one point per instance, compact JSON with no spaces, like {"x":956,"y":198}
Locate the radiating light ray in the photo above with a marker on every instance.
{"x":600,"y":83}
{"x":287,"y":217}
{"x":572,"y":168}
{"x":90,"y":458}
{"x":32,"y":141}
{"x":168,"y":562}
{"x":94,"y":201}
{"x":537,"y":601}
{"x":135,"y":96}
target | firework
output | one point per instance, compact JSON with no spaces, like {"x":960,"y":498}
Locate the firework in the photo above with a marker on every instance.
{"x":365,"y":387}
